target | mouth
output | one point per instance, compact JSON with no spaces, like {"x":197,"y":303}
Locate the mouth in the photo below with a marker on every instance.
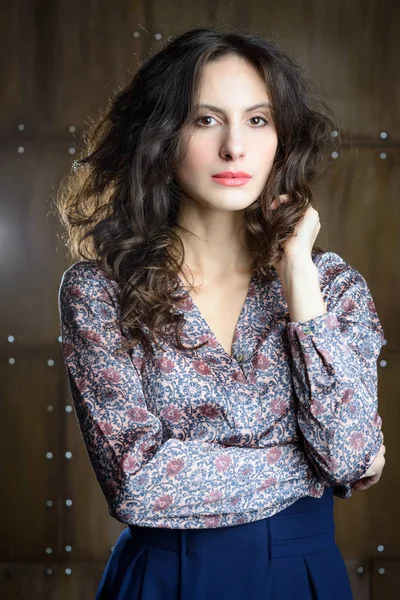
{"x":235,"y":174}
{"x":232,"y":179}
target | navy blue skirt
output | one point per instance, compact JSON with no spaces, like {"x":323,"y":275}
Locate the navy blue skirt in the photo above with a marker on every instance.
{"x":291,"y":555}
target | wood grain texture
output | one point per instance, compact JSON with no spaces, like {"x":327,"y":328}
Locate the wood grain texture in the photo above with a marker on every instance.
{"x":61,"y":61}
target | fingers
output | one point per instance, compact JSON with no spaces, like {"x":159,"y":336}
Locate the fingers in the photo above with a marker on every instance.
{"x":377,"y":464}
{"x":374,"y":473}
{"x":277,"y":202}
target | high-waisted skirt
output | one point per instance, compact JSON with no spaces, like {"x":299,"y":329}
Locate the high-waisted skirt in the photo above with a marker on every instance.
{"x":289,"y":556}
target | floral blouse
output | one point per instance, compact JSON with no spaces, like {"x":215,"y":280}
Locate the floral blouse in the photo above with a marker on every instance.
{"x":205,"y":439}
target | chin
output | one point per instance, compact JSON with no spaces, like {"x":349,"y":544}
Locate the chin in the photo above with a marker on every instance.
{"x":231,"y":204}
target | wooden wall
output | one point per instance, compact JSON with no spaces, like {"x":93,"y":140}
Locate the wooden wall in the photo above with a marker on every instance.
{"x":61,"y":60}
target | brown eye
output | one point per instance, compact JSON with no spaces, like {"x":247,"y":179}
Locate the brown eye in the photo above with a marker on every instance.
{"x":202,"y":118}
{"x":262,"y":118}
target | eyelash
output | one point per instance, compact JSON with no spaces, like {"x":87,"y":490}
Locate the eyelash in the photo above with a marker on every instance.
{"x":211,"y":117}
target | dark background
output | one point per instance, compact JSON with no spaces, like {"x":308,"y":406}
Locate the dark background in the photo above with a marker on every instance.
{"x":61,"y":61}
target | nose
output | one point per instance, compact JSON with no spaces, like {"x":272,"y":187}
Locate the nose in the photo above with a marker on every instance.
{"x":232,"y":146}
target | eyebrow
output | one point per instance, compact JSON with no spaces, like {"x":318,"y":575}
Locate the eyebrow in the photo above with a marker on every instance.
{"x":220,"y":110}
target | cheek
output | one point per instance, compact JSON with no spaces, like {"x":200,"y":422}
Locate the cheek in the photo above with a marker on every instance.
{"x":266,"y":143}
{"x":264,"y":152}
{"x":196,"y":159}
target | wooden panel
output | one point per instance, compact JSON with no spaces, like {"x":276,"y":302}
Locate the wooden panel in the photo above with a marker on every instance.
{"x":359,"y":572}
{"x":30,"y":272}
{"x":63,"y":581}
{"x":385,"y":579}
{"x":62,"y":60}
{"x":357,"y":199}
{"x":29,"y":430}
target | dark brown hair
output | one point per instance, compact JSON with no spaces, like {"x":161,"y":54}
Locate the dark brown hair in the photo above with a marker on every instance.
{"x":120,"y":202}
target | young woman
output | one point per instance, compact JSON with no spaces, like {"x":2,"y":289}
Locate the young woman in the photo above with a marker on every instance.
{"x":222,"y":366}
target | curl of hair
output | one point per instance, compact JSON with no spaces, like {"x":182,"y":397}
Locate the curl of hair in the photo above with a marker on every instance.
{"x":120,"y":202}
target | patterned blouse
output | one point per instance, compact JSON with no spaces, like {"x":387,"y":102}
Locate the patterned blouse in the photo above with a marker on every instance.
{"x":205,"y":439}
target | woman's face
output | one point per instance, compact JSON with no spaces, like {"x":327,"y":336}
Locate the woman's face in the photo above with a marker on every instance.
{"x":230,"y":136}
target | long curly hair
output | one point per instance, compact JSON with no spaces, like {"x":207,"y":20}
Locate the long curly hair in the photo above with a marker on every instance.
{"x":120,"y":202}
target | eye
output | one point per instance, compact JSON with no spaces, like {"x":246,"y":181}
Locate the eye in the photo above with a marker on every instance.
{"x":262,"y":118}
{"x":203,"y":117}
{"x":251,"y":119}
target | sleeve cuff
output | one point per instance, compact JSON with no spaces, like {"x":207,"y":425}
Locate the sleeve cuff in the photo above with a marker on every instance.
{"x":318,"y":326}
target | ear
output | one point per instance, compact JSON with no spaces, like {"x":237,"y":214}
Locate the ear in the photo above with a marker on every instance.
{"x":276,"y":202}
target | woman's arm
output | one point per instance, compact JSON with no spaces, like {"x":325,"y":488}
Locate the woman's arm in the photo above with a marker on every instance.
{"x":335,"y":368}
{"x":146,"y":481}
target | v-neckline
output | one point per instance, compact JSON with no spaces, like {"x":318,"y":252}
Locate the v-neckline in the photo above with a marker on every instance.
{"x":238,"y":322}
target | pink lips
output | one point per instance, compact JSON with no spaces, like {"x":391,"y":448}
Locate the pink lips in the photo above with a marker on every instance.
{"x":231,"y":178}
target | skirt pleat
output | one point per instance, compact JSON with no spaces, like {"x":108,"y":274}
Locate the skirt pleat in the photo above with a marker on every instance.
{"x":125,"y":570}
{"x":289,"y":556}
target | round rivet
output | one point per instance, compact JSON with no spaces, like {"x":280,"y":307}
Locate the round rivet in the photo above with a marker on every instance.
{"x":383,"y":135}
{"x":381,"y":571}
{"x":383,"y":155}
{"x":21,"y":149}
{"x":68,"y":571}
{"x":72,"y":128}
{"x":11,"y":361}
{"x":68,"y":455}
{"x":380,"y":548}
{"x":72,"y":150}
{"x":21,"y":127}
{"x":68,"y":408}
{"x":384,"y":342}
{"x":68,"y":502}
{"x":136,"y":34}
{"x":158,"y":36}
{"x":383,"y":363}
{"x":49,"y":571}
{"x":360,"y":569}
{"x":50,"y":408}
{"x":11,"y":339}
{"x":49,"y":551}
{"x":59,"y":339}
{"x":49,"y":455}
{"x":335,"y":133}
{"x":50,"y":362}
{"x":68,"y":548}
{"x":49,"y":503}
{"x":335,"y":154}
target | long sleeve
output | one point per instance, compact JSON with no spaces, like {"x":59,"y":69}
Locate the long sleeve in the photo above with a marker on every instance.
{"x":146,"y":479}
{"x":335,"y":377}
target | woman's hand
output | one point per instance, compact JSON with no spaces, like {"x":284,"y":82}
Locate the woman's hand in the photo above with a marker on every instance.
{"x":373,"y":474}
{"x":301,"y":242}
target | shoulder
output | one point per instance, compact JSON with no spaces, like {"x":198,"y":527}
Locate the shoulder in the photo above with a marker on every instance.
{"x":83,"y":270}
{"x":329,"y":260}
{"x":334,"y":268}
{"x":85,"y":277}
{"x":343,"y":285}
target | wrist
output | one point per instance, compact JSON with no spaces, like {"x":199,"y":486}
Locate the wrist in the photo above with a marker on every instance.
{"x":300,"y":284}
{"x":296,"y":264}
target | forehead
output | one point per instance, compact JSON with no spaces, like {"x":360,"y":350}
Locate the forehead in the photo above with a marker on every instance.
{"x":229,"y":76}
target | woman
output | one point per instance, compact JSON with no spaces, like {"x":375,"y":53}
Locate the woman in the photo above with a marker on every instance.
{"x":222,"y":367}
